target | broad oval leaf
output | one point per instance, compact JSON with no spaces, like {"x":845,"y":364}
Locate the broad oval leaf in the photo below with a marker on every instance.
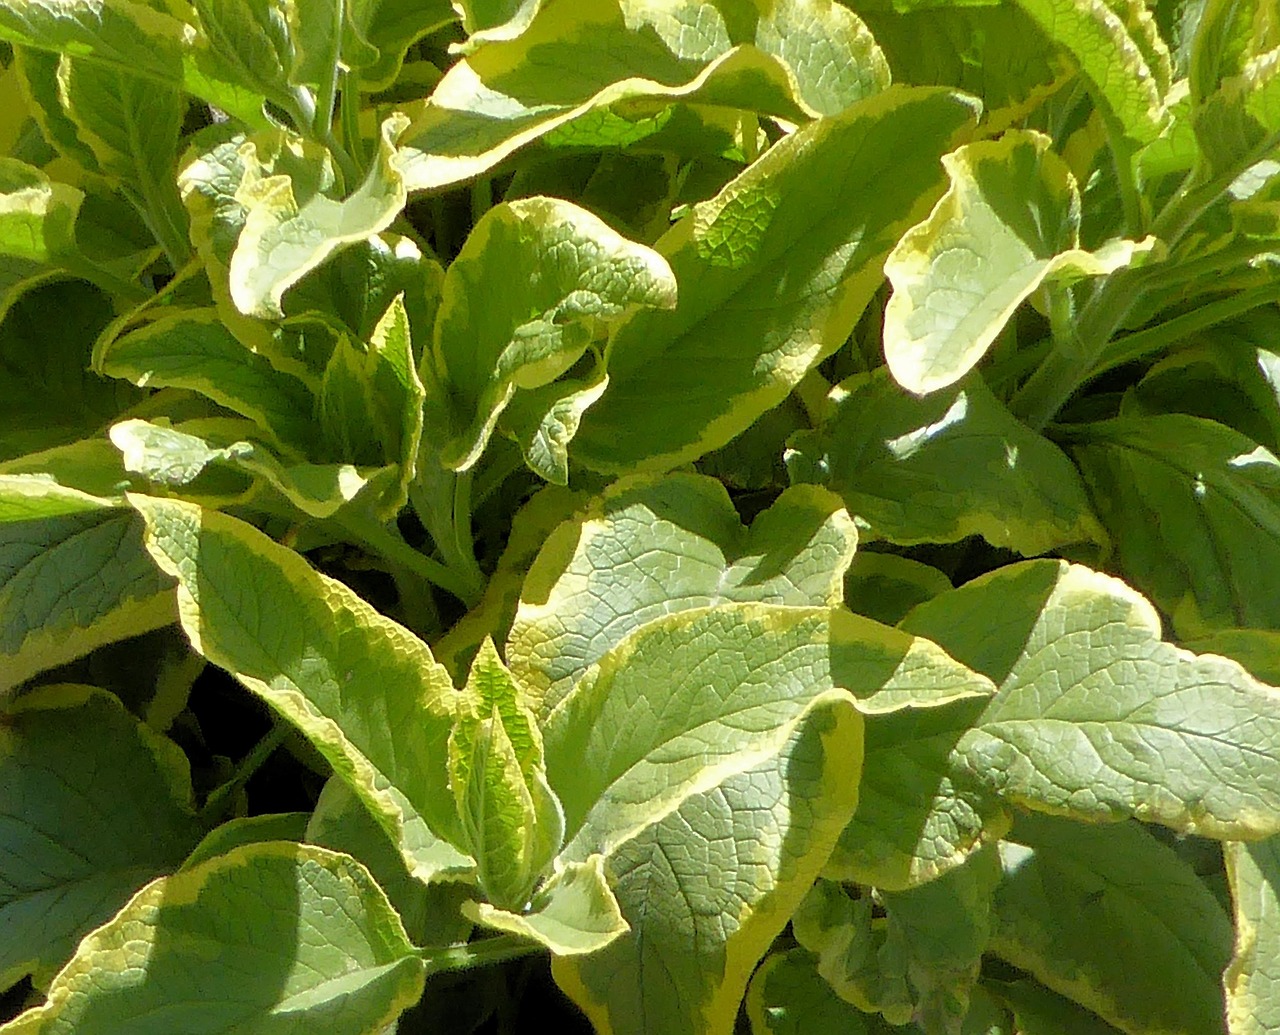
{"x":939,"y":469}
{"x":789,"y":997}
{"x":94,"y":806}
{"x":305,"y":939}
{"x":774,"y":273}
{"x":708,"y":887}
{"x":648,"y":547}
{"x":1009,"y":222}
{"x":1114,"y":919}
{"x":365,"y":691}
{"x":1253,"y":978}
{"x":1096,"y":717}
{"x":557,"y":276}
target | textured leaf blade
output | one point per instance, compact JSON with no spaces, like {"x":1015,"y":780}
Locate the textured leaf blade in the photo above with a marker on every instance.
{"x":364,"y":691}
{"x":651,"y":546}
{"x":798,"y":228}
{"x":1252,"y":980}
{"x":707,"y":888}
{"x":327,"y":950}
{"x":94,"y":806}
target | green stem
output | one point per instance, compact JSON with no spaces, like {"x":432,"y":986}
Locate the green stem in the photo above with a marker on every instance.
{"x":161,"y":208}
{"x":126,"y":290}
{"x":349,"y":111}
{"x":215,"y":806}
{"x":1152,"y":339}
{"x":464,"y":547}
{"x":482,"y":953}
{"x":442,"y":500}
{"x":327,"y":95}
{"x":397,"y":551}
{"x":1130,"y":197}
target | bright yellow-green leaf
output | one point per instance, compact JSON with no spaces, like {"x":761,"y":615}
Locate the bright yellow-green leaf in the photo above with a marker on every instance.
{"x":364,"y":691}
{"x":774,"y":273}
{"x":961,"y":274}
{"x":305,"y":940}
{"x":1253,"y":978}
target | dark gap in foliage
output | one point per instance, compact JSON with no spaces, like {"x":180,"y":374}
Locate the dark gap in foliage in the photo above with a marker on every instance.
{"x":14,"y":1000}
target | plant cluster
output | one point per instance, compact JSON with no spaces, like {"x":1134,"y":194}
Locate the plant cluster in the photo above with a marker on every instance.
{"x":771,"y":505}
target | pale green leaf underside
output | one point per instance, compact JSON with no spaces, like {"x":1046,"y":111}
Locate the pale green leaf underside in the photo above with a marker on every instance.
{"x":649,"y":547}
{"x":92,"y":806}
{"x":696,"y":696}
{"x":306,"y":941}
{"x":960,"y":275}
{"x":1117,"y":921}
{"x":791,"y":58}
{"x":1253,"y":978}
{"x":938,"y":469}
{"x":364,"y":690}
{"x":774,"y":272}
{"x":554,"y":275}
{"x":708,"y":887}
{"x":1096,"y":717}
{"x":71,"y":582}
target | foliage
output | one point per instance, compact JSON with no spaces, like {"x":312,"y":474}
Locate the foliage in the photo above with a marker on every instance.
{"x":769,"y":505}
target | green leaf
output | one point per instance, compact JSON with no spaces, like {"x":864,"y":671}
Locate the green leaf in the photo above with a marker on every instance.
{"x":70,"y":581}
{"x":1096,"y":717}
{"x":544,"y":420}
{"x":305,"y":938}
{"x":488,"y":20}
{"x":921,"y":961}
{"x":1228,"y":35}
{"x":640,"y":732}
{"x":939,"y":469}
{"x":392,"y":27}
{"x":512,"y":819}
{"x":651,"y":546}
{"x":561,"y":276}
{"x":1164,"y":481}
{"x":789,"y":997}
{"x":1041,"y":1012}
{"x":959,"y":276}
{"x":1114,"y":919}
{"x":363,"y":690}
{"x":707,"y":888}
{"x":431,"y":914}
{"x":37,"y":214}
{"x":247,"y":830}
{"x":293,"y":223}
{"x":885,"y":586}
{"x":1252,"y":980}
{"x":573,"y":914}
{"x":1113,"y":60}
{"x":774,"y":273}
{"x":194,"y":349}
{"x":251,"y":37}
{"x":793,"y":58}
{"x":94,"y":806}
{"x":1258,"y":650}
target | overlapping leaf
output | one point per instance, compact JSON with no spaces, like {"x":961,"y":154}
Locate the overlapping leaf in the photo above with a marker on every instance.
{"x":1252,"y":980}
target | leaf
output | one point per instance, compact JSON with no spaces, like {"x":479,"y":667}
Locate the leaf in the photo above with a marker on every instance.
{"x":959,"y":276}
{"x":1208,"y":485}
{"x":543,"y":421}
{"x":37,"y":214}
{"x":1258,"y":650}
{"x":788,"y":997}
{"x":793,"y":58}
{"x":486,"y":21}
{"x":574,"y":914}
{"x":251,"y":37}
{"x":363,"y":690}
{"x":1227,"y":37}
{"x":921,"y":961}
{"x":94,"y":806}
{"x":651,"y":546}
{"x":292,"y":224}
{"x":1041,"y":1012}
{"x":1096,"y":717}
{"x":885,"y":586}
{"x":1114,"y":919}
{"x":1114,"y":61}
{"x":431,"y":914}
{"x":70,"y":581}
{"x":327,"y":952}
{"x":392,"y":27}
{"x":708,"y":887}
{"x":774,"y":273}
{"x":247,"y":830}
{"x":561,"y":275}
{"x":193,"y":349}
{"x":699,"y":695}
{"x":1251,"y":980}
{"x":939,"y":469}
{"x":512,"y":820}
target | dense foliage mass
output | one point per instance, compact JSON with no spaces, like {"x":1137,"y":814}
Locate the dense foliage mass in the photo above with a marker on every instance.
{"x":770,"y":505}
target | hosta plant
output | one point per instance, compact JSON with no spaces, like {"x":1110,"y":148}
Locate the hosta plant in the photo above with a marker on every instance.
{"x":656,"y":516}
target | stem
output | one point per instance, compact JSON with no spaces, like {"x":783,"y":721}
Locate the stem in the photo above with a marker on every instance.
{"x":322,"y":120}
{"x":349,"y":111}
{"x":111,"y":283}
{"x":1151,"y":339}
{"x":442,"y":499}
{"x":397,"y":551}
{"x":464,"y":546}
{"x":163,"y":212}
{"x":482,"y":953}
{"x":215,"y":805}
